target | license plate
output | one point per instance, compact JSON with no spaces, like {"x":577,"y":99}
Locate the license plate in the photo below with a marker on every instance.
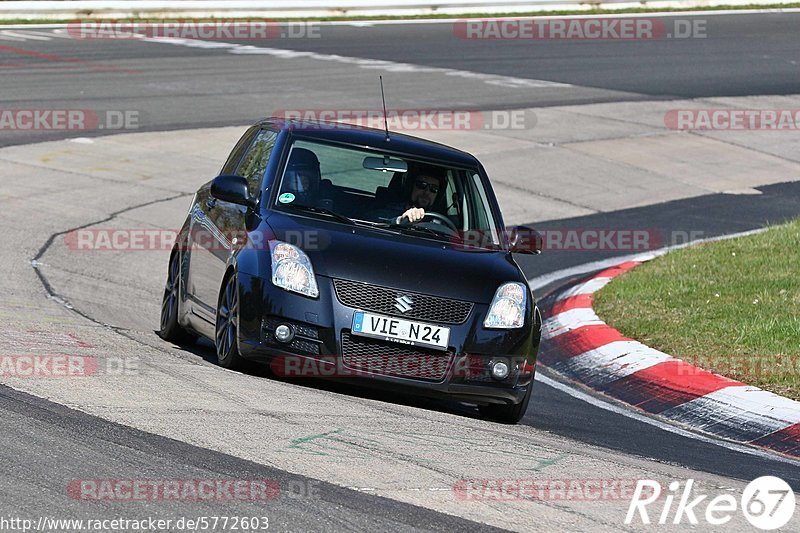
{"x":399,"y":330}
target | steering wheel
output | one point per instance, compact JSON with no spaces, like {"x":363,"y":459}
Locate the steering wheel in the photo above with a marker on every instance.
{"x":443,"y":219}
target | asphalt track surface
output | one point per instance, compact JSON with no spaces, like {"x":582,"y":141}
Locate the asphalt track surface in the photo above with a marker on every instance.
{"x":32,"y":428}
{"x":176,"y":87}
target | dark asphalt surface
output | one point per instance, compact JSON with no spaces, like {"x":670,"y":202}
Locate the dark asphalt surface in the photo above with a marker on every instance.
{"x":48,"y":447}
{"x":176,"y":87}
{"x":739,"y":55}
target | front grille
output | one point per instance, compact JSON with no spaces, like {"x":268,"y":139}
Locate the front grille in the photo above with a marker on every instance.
{"x":378,"y":357}
{"x":383,"y":299}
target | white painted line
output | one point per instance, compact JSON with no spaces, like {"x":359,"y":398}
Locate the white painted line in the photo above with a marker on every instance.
{"x":4,"y":36}
{"x":25,"y":35}
{"x":542,"y":281}
{"x":627,"y":412}
{"x":544,"y":15}
{"x":658,"y":14}
{"x":378,"y":64}
{"x":611,"y":362}
{"x":60,"y":34}
{"x":32,"y":26}
{"x":588,"y":287}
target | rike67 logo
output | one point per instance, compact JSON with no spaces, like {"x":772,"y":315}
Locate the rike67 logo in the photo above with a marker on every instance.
{"x":767,"y":503}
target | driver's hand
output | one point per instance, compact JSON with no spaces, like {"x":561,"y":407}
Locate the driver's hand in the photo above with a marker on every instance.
{"x":415,"y":214}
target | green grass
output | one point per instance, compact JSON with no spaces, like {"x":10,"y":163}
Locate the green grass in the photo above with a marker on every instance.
{"x":732,"y":307}
{"x":450,"y":16}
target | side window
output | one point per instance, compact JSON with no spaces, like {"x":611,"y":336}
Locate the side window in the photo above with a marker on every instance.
{"x":456,"y":201}
{"x":452,"y":194}
{"x":483,"y":218}
{"x":238,"y":151}
{"x":255,"y":160}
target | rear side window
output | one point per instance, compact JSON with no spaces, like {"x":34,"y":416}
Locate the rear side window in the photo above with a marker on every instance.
{"x":255,"y":161}
{"x":238,"y":151}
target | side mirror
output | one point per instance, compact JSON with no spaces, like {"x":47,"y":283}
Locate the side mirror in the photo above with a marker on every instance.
{"x":232,"y":189}
{"x":525,"y":240}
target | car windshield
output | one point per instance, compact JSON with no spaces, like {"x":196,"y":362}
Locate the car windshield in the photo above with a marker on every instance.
{"x":365,"y":187}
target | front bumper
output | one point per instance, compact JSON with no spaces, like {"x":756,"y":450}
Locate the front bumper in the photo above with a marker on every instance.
{"x":323,"y":347}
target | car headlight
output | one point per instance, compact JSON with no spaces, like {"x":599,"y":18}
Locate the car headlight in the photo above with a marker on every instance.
{"x":292,"y":270}
{"x":508,"y":307}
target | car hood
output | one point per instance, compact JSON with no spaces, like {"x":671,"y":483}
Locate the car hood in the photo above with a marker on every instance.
{"x":394,"y":260}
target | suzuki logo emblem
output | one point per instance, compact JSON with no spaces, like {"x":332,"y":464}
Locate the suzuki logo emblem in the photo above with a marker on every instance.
{"x":403,"y":304}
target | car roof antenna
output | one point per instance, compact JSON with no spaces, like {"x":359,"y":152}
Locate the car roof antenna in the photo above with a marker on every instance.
{"x":385,"y":119}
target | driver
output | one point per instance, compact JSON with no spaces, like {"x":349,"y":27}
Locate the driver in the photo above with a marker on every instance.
{"x":302,"y":176}
{"x":424,"y":191}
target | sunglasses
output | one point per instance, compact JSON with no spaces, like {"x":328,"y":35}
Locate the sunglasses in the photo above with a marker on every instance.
{"x":425,"y":186}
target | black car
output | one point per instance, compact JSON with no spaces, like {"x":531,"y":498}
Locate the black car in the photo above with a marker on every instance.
{"x":298,"y":255}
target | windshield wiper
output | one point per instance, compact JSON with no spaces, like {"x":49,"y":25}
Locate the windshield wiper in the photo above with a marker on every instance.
{"x":322,"y":211}
{"x":456,"y":240}
{"x":410,"y":228}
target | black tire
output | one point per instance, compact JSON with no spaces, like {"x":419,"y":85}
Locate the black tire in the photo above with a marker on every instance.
{"x":170,"y":330}
{"x":227,"y":326}
{"x":507,"y":414}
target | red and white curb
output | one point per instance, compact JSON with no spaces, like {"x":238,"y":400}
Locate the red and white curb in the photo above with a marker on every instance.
{"x":580,"y":346}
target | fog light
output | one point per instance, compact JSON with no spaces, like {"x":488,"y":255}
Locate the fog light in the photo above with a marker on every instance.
{"x":500,"y":370}
{"x":284,"y":333}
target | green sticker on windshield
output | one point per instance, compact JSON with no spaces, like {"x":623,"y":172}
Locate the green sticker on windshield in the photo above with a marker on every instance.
{"x":286,"y":198}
